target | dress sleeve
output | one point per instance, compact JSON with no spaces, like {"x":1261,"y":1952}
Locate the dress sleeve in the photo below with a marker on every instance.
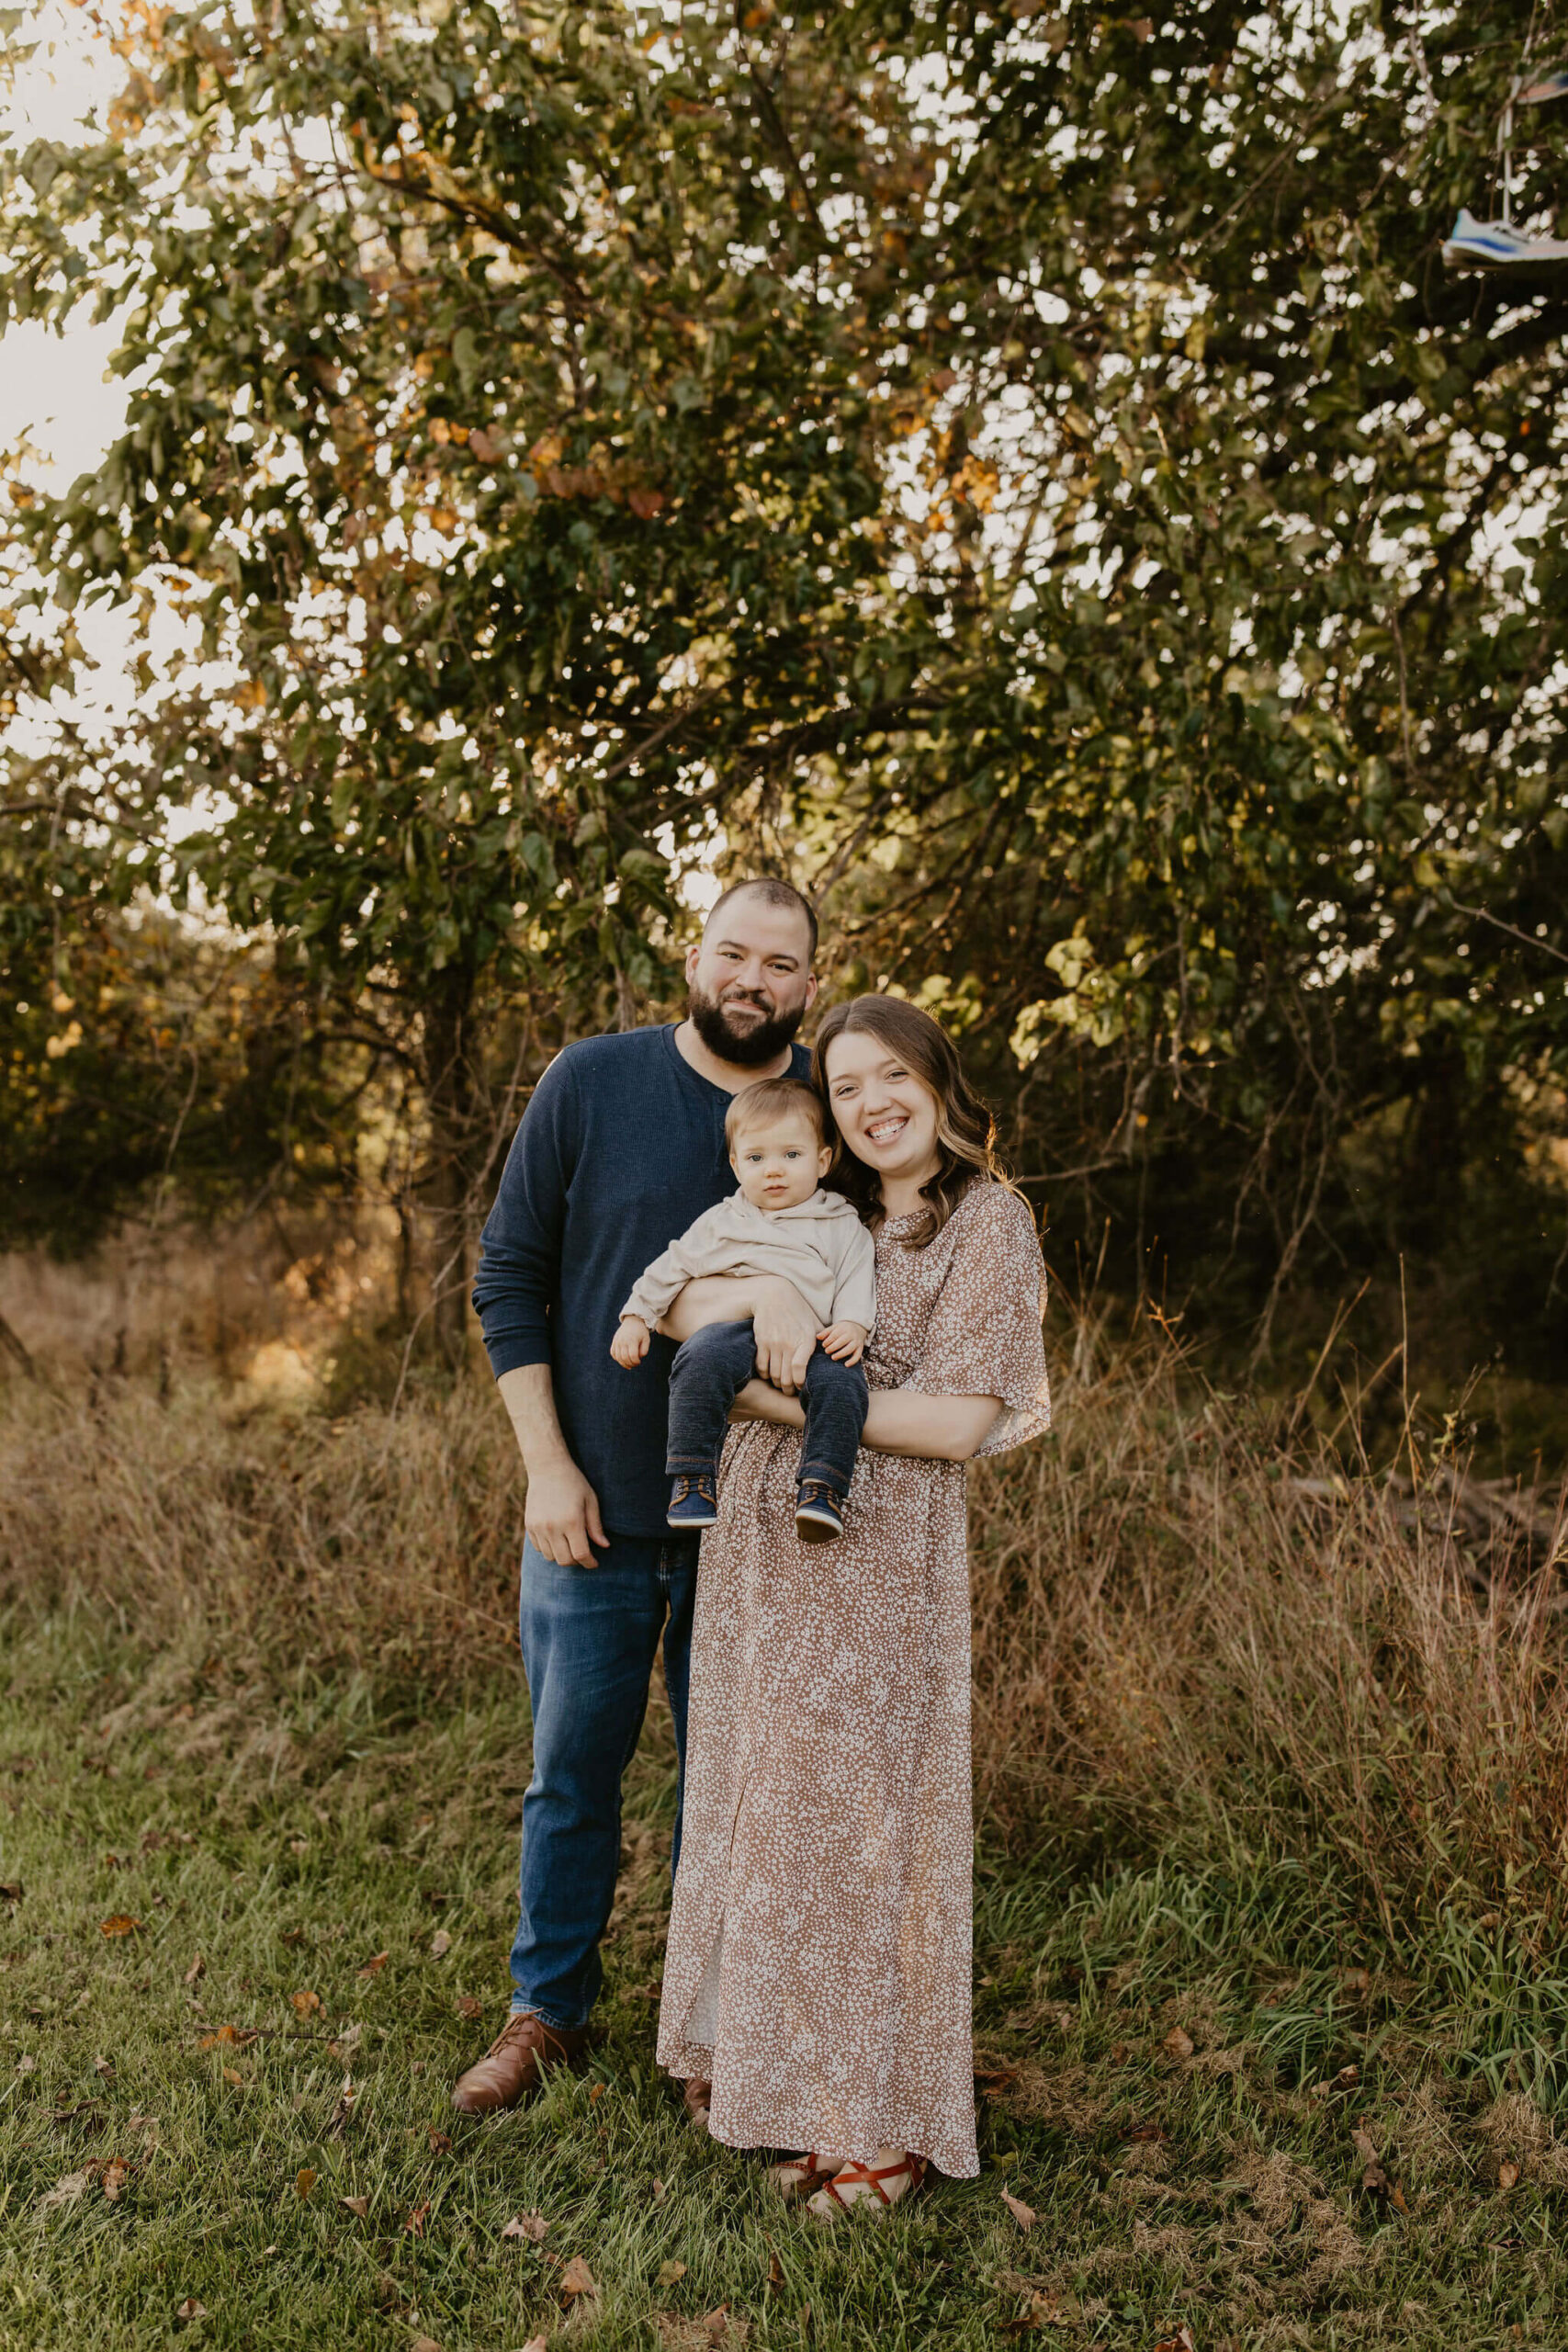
{"x":983,"y":1336}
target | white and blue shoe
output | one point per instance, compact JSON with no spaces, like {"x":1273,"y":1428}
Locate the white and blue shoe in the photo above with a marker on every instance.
{"x":1497,"y":245}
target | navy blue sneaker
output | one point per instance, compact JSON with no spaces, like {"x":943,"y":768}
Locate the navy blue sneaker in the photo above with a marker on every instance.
{"x":693,"y":1502}
{"x":819,"y":1512}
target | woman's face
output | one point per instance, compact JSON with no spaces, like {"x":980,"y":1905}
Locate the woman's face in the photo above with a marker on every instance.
{"x":886,"y":1115}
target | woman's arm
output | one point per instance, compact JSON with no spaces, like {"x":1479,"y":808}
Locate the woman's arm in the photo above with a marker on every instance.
{"x":937,"y":1429}
{"x":898,"y":1420}
{"x":785,"y":1326}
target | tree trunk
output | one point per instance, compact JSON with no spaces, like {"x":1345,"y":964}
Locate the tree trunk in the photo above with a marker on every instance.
{"x":449,"y":1091}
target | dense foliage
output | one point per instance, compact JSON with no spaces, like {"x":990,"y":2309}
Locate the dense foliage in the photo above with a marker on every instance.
{"x":1026,"y":470}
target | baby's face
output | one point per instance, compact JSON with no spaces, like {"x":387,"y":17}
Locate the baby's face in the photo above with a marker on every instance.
{"x":779,"y":1163}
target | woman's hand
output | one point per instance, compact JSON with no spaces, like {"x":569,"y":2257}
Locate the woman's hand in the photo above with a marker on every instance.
{"x":759,"y":1401}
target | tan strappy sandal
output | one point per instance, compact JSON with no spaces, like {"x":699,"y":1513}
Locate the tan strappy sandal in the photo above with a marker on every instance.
{"x":830,"y":2201}
{"x":795,"y":2174}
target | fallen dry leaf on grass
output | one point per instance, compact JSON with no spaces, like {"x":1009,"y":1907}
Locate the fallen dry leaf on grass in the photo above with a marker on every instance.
{"x":537,"y":2344}
{"x":532,"y":2227}
{"x":466,"y":2006}
{"x":1508,"y":2175}
{"x":197,"y":1969}
{"x":718,"y":2327}
{"x":233,"y":2034}
{"x":577,"y":2280}
{"x":104,"y":2067}
{"x":671,"y":2274}
{"x":1180,"y":2341}
{"x":1145,"y":2132}
{"x":114,"y":2178}
{"x":190,"y":2308}
{"x":424,"y":2343}
{"x":990,"y":2081}
{"x":10,"y":1890}
{"x":595,"y":2093}
{"x":1040,"y":2309}
{"x":343,"y":2114}
{"x":1374,"y":2177}
{"x":415,"y":2226}
{"x":292,"y":1936}
{"x":440,"y":2141}
{"x":27,"y":2064}
{"x":304,"y":2182}
{"x":659,"y":2192}
{"x":119,"y":1923}
{"x":1021,"y":2213}
{"x":374,"y":1967}
{"x":65,"y":2191}
{"x":1179,"y":2043}
{"x":356,"y":2205}
{"x":233,"y":2075}
{"x":440,"y":1944}
{"x":775,"y":2273}
{"x":306,"y":2004}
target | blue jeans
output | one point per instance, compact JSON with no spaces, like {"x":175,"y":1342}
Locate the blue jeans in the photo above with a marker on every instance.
{"x":714,"y":1364}
{"x":588,"y":1639}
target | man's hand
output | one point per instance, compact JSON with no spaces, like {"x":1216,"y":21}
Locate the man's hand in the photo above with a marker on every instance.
{"x":560,"y":1514}
{"x":785,"y":1330}
{"x":630,"y":1343}
{"x":845,"y":1341}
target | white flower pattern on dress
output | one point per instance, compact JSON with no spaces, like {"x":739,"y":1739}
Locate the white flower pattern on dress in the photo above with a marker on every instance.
{"x":818,"y":1963}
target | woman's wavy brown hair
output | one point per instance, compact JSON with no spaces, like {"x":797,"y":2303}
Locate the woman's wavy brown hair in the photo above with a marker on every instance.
{"x":965,"y":1131}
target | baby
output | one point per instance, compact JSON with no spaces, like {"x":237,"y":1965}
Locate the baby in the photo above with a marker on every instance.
{"x":778,"y":1223}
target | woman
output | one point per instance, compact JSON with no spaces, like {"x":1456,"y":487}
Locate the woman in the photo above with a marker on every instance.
{"x":819,"y":1965}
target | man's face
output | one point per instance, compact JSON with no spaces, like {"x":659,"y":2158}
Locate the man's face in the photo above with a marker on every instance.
{"x":750,"y":985}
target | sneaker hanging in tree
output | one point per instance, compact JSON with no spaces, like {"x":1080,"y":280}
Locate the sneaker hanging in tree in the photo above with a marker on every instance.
{"x":1497,"y":245}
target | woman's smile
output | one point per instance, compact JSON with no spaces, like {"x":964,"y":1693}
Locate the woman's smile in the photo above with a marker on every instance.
{"x":886,"y":1114}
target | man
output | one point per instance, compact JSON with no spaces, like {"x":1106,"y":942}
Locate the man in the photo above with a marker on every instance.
{"x":621,"y":1148}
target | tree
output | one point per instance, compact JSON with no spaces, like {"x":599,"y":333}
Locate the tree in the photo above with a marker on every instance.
{"x":1026,"y":469}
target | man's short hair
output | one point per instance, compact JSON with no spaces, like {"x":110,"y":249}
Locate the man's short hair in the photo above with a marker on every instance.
{"x":774,"y":1098}
{"x":775,"y":892}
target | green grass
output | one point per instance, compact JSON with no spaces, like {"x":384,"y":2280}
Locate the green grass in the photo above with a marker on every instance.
{"x":289,"y":1837}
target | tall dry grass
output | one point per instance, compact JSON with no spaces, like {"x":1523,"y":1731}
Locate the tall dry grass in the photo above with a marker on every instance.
{"x":1176,"y":1650}
{"x":1181,"y":1652}
{"x":376,"y":1541}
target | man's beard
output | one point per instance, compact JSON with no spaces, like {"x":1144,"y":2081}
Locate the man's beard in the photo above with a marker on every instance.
{"x":748,"y":1048}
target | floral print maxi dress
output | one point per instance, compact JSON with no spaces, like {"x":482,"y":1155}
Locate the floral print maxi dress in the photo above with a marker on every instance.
{"x":818,"y":1963}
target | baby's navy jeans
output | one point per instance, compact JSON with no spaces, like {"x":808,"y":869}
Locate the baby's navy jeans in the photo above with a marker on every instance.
{"x":714,"y":1365}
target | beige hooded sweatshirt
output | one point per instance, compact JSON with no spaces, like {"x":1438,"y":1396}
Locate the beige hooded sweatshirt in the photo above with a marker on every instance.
{"x":820,"y":1245}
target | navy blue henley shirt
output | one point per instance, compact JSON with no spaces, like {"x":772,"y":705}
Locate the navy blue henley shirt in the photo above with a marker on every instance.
{"x":621,"y":1147}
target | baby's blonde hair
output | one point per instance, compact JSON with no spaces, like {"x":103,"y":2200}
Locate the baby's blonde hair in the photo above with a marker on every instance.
{"x":771,"y":1098}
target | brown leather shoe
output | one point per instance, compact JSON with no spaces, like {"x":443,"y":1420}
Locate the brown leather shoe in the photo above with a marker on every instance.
{"x":516,"y":2062}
